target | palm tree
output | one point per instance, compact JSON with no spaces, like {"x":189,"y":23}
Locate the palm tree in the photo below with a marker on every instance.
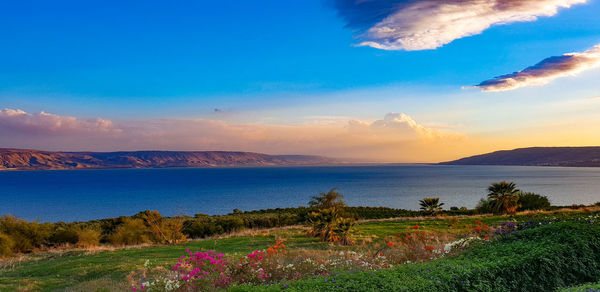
{"x":328,"y":200}
{"x":330,"y":222}
{"x":431,"y":206}
{"x":504,"y":197}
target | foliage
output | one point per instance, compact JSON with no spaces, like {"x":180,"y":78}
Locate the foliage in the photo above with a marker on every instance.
{"x":163,"y":230}
{"x":504,"y":197}
{"x":330,"y":226}
{"x":561,"y":254}
{"x":593,"y":287}
{"x":6,"y":245}
{"x":78,"y":270}
{"x":26,"y":236}
{"x":63,"y":235}
{"x":484,"y":206}
{"x":87,"y":238}
{"x":330,"y":223}
{"x":431,"y":206}
{"x":132,"y":231}
{"x":532,"y":201}
{"x":331,"y":199}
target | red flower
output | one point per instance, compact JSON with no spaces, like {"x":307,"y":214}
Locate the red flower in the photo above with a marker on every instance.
{"x":415,"y":227}
{"x":381,"y":253}
{"x":390,"y":244}
{"x":486,"y":238}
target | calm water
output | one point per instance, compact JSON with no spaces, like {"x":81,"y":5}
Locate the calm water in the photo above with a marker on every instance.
{"x":88,"y":194}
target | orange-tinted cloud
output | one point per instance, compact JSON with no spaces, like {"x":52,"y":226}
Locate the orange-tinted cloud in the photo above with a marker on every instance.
{"x":43,"y":123}
{"x":395,"y":138}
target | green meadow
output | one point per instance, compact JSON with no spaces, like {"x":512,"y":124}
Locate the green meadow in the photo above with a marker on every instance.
{"x":96,"y":269}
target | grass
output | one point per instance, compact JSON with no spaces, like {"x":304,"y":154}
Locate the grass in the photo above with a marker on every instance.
{"x":51,"y":271}
{"x":539,"y":259}
{"x":594,"y":287}
{"x":92,"y":270}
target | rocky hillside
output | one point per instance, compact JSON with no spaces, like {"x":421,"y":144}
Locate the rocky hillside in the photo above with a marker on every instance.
{"x":22,"y":159}
{"x":537,"y":156}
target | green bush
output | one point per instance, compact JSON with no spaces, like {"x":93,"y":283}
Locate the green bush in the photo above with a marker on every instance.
{"x":539,"y":259}
{"x":484,"y":206}
{"x":533,"y":201}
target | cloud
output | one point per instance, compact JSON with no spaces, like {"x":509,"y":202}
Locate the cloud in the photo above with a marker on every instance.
{"x":545,"y":71}
{"x":398,"y":125}
{"x":396,"y":137}
{"x":429,"y":24}
{"x":44,"y":123}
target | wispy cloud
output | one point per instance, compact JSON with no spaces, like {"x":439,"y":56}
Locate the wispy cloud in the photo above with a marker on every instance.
{"x":545,"y":71}
{"x":428,"y":24}
{"x":396,"y":137}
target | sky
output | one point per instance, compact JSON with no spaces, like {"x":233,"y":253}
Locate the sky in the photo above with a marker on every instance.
{"x":374,"y":80}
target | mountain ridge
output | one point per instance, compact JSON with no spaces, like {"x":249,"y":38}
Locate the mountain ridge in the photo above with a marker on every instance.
{"x":588,"y":156}
{"x":28,"y":159}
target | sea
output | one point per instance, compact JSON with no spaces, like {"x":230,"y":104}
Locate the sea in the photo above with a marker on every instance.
{"x":77,"y":195}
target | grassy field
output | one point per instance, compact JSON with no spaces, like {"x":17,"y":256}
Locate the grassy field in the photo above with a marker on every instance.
{"x":106,"y":269}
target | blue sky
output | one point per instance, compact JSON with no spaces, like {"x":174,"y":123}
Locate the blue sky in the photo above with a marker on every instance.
{"x":265,"y":62}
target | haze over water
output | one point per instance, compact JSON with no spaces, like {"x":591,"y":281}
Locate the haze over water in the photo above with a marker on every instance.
{"x":92,"y":194}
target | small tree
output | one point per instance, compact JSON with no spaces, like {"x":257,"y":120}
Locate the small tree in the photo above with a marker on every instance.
{"x":532,"y":201}
{"x":163,"y":230}
{"x":328,"y":200}
{"x":504,"y":197}
{"x":330,"y":223}
{"x":431,"y":206}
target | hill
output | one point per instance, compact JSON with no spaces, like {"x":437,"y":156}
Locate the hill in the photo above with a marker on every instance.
{"x":537,"y":156}
{"x":23,"y":159}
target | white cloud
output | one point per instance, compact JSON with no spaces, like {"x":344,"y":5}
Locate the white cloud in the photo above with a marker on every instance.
{"x":429,"y":24}
{"x":545,"y":71}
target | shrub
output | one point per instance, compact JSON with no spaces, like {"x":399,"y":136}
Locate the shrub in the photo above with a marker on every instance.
{"x":201,"y":227}
{"x":6,"y":245}
{"x":132,"y":231}
{"x":25,"y":235}
{"x":163,"y":230}
{"x":532,"y":201}
{"x":484,"y":206}
{"x":171,"y":230}
{"x":63,"y":235}
{"x":87,"y":238}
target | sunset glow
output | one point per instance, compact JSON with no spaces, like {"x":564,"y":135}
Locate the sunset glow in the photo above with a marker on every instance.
{"x":369,"y":81}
